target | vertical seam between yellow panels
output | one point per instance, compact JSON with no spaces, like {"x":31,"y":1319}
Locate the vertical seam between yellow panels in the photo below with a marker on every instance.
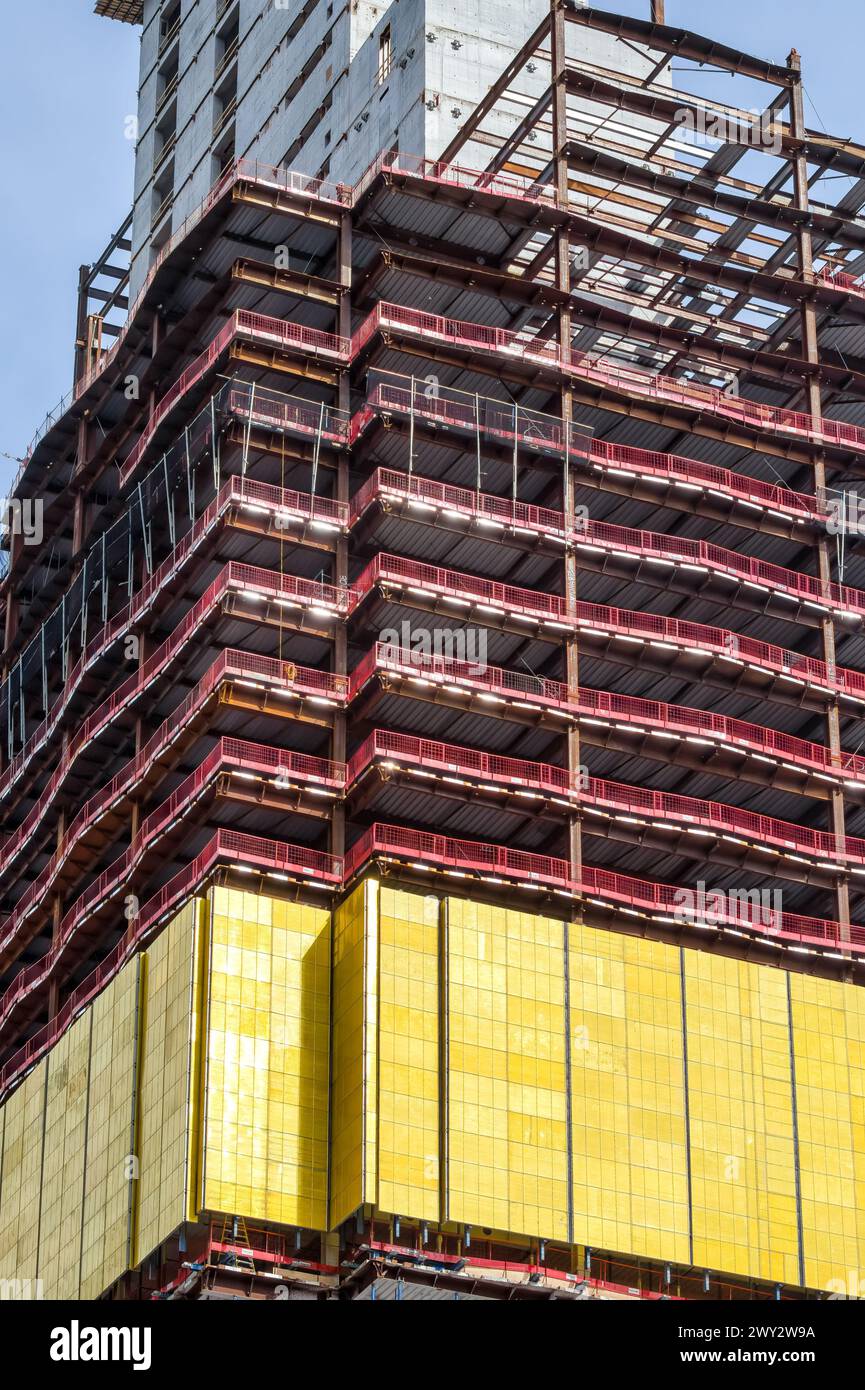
{"x":365,"y":1042}
{"x":686,"y":1098}
{"x":331,"y":1011}
{"x":569,"y":1098}
{"x":41,"y":1169}
{"x":198,"y":1055}
{"x":135,"y":1114}
{"x":797,"y":1171}
{"x":444,"y":1088}
{"x":372,"y":936}
{"x":81,"y":1206}
{"x":190,"y":1047}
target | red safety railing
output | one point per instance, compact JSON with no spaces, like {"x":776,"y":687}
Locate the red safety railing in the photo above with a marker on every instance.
{"x":806,"y":587}
{"x":502,"y":512}
{"x":243,"y":323}
{"x":737,"y":735}
{"x":500,"y":686}
{"x":332,"y":598}
{"x":477,"y":337}
{"x":511,"y":186}
{"x":387,"y":482}
{"x":499,"y":863}
{"x":384,"y":747}
{"x":493,"y":863}
{"x":226,"y":847}
{"x":469,"y":1262}
{"x":395,"y":570}
{"x":229,"y":754}
{"x":230,"y":665}
{"x":243,"y":170}
{"x":607,"y":621}
{"x":258,"y":1248}
{"x":237,"y":754}
{"x":695,"y":812}
{"x":284,"y":504}
{"x":768,"y":496}
{"x":456,"y":176}
{"x":532,"y":429}
{"x":288,"y":590}
{"x":840,"y":280}
{"x":448,"y":757}
{"x":326,"y":190}
{"x":292,"y":414}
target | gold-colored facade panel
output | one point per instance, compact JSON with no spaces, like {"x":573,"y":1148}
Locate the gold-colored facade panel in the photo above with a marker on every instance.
{"x":743,"y":1169}
{"x":265,"y":1135}
{"x":628,"y":1127}
{"x":168,"y":1091}
{"x":408,"y":1054}
{"x":444,"y":1061}
{"x":829,"y":1053}
{"x":20,"y":1177}
{"x":353,"y":1121}
{"x":111,"y":1164}
{"x":63,"y":1162}
{"x":506,"y":1137}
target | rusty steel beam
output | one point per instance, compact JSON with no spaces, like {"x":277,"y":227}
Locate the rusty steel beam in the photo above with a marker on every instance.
{"x":679,"y":43}
{"x":558,"y":64}
{"x":501,"y":284}
{"x":804,"y":256}
{"x":87,"y":276}
{"x":704,"y":192}
{"x":604,"y":238}
{"x":824,"y":150}
{"x":619,"y":401}
{"x":780,"y":288}
{"x":340,"y":567}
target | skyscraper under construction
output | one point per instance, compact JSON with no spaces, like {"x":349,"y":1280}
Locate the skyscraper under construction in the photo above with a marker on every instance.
{"x":432,"y":678}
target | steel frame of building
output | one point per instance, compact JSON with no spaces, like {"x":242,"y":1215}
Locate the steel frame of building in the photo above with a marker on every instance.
{"x":428,"y":416}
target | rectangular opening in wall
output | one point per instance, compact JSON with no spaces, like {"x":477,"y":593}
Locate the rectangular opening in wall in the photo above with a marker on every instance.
{"x":163,"y":195}
{"x":227,"y":45}
{"x":385,"y":54}
{"x":169,"y":25}
{"x":223,"y":158}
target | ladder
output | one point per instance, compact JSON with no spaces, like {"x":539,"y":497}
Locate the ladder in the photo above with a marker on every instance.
{"x":234,"y":1233}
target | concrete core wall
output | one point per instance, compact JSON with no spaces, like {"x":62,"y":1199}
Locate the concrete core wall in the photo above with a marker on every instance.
{"x":310,"y":88}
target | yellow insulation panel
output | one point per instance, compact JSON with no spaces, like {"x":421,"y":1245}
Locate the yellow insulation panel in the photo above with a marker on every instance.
{"x":630,"y":1165}
{"x":63,"y":1161}
{"x":111,"y":1164}
{"x":267,"y":1060}
{"x":829,"y":1051}
{"x":408,"y":1053}
{"x":464,"y":1040}
{"x":353,"y":1099}
{"x":168,"y":1090}
{"x":744,"y":1207}
{"x":507,"y":1102}
{"x":21,"y":1177}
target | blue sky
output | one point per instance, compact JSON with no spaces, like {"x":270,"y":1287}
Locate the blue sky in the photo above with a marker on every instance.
{"x":68,"y":82}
